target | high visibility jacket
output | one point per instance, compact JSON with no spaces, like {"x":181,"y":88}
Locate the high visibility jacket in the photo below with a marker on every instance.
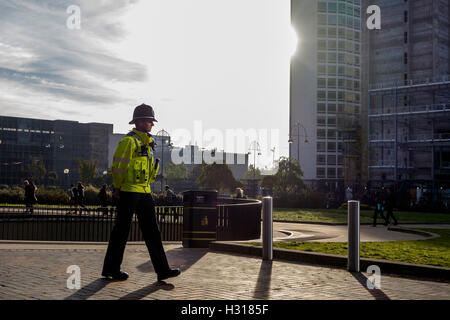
{"x":133,"y":167}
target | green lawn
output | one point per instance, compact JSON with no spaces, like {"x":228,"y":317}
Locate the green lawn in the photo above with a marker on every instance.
{"x":336,"y":216}
{"x":435,"y":252}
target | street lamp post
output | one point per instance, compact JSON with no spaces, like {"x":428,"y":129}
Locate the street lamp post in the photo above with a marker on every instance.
{"x":290,"y":141}
{"x":66,"y":174}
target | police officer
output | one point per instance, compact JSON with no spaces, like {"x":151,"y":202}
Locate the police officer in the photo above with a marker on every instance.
{"x":133,"y":169}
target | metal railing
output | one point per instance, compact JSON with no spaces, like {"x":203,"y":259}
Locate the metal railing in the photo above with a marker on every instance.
{"x":82,"y":224}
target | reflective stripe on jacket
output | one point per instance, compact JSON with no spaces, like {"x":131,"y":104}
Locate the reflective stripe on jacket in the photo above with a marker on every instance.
{"x":133,"y":163}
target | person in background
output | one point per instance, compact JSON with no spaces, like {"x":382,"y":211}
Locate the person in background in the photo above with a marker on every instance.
{"x":239,"y":193}
{"x":80,"y":196}
{"x":73,"y":198}
{"x":30,"y":196}
{"x":379,"y":208}
{"x":390,"y":204}
{"x":103,"y":198}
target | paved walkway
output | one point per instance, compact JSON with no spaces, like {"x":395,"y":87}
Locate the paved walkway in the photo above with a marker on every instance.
{"x":329,"y":233}
{"x":36,"y":271}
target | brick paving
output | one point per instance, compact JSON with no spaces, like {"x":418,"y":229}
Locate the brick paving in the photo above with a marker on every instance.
{"x":35,"y":273}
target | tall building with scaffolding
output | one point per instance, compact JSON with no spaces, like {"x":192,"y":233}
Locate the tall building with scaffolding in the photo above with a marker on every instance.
{"x":406,"y":95}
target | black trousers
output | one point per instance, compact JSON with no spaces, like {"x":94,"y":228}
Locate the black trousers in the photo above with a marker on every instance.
{"x":375,"y":215}
{"x":390,"y":214}
{"x":144,"y":206}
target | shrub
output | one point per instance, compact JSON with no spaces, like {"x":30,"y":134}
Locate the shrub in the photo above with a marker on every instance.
{"x":54,"y":196}
{"x":14,"y":195}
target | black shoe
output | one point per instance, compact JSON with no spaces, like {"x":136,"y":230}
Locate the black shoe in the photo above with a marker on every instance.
{"x":169,"y":274}
{"x":120,"y":275}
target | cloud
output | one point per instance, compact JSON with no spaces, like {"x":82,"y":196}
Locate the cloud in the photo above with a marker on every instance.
{"x":41,"y":58}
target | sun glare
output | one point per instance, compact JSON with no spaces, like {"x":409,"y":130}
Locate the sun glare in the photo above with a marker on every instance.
{"x":294,"y":41}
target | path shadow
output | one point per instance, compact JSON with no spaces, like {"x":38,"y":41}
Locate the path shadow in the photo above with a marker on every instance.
{"x":378,"y":294}
{"x":262,"y":288}
{"x":89,"y":290}
{"x":182,"y":258}
{"x":143,"y":292}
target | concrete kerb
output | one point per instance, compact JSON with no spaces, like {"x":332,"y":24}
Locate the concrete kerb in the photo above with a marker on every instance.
{"x":345,"y":223}
{"x":338,"y":261}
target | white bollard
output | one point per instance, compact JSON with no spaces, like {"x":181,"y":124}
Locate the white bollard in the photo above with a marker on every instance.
{"x":353,"y":235}
{"x":267,"y":208}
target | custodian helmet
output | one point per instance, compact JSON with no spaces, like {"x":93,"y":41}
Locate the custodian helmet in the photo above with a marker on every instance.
{"x":143,"y":112}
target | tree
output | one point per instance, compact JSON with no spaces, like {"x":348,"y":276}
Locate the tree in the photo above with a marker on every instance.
{"x":87,"y":170}
{"x":175,"y":171}
{"x":251,"y":173}
{"x":52,"y":176}
{"x":217,"y":176}
{"x":269,"y":182}
{"x":289,"y":175}
{"x":37,"y":169}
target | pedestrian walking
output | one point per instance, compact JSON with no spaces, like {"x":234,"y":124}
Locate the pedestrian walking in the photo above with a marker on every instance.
{"x":103,"y":198}
{"x":133,"y":169}
{"x":30,"y":196}
{"x":80,"y":196}
{"x":390,"y":204}
{"x":379,"y":208}
{"x":73,"y":191}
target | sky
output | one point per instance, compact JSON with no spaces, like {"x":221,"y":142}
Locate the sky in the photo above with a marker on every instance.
{"x":208,"y":67}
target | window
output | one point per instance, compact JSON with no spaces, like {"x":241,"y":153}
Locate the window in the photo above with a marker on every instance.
{"x":331,"y":172}
{"x":331,"y":133}
{"x":406,"y":16}
{"x":321,"y":69}
{"x":321,"y":57}
{"x":320,"y":146}
{"x":331,"y":32}
{"x":322,"y":7}
{"x":341,"y":83}
{"x":322,"y":19}
{"x":331,"y":44}
{"x":321,"y":83}
{"x":340,"y":160}
{"x":321,"y":95}
{"x":321,"y":121}
{"x":321,"y":134}
{"x":332,"y":121}
{"x":332,"y":83}
{"x":332,"y":7}
{"x":332,"y":70}
{"x":322,"y":32}
{"x":332,"y":19}
{"x":321,"y":107}
{"x":341,"y":21}
{"x":356,"y":73}
{"x":405,"y":58}
{"x":331,"y":108}
{"x":331,"y":160}
{"x":331,"y":95}
{"x":405,"y":37}
{"x":341,"y":95}
{"x":321,"y":159}
{"x":320,"y":172}
{"x":332,"y":148}
{"x":322,"y":44}
{"x":349,"y":84}
{"x":332,"y":58}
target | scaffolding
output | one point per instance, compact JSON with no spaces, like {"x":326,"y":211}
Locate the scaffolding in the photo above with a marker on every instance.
{"x":409,"y":134}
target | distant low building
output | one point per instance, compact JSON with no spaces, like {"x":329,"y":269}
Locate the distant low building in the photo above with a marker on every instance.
{"x":59,"y":143}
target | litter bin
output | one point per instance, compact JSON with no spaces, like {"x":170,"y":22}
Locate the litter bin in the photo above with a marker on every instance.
{"x":199,"y":218}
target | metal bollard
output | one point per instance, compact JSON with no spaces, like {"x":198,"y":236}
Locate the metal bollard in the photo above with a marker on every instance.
{"x":353,"y":235}
{"x":267,"y":248}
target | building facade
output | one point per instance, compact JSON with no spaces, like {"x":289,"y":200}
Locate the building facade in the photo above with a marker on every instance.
{"x":325,"y":92}
{"x":58,"y":144}
{"x":407,"y":94}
